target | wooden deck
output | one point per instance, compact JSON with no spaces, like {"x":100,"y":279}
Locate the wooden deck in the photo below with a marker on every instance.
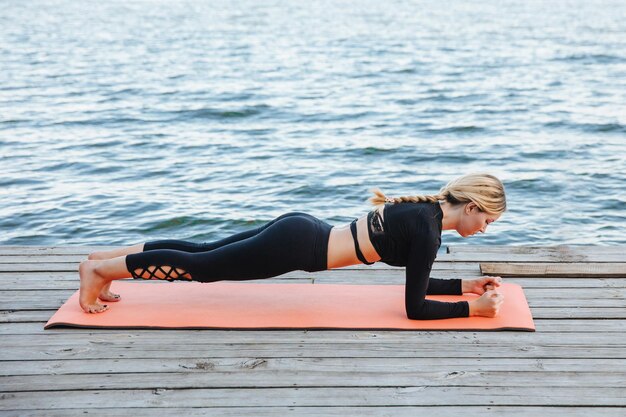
{"x":573,"y":365}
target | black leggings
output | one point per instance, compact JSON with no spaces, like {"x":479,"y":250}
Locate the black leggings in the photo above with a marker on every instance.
{"x":292,"y":241}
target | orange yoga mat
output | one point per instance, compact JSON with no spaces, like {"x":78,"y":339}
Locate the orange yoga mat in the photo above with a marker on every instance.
{"x":237,"y":305}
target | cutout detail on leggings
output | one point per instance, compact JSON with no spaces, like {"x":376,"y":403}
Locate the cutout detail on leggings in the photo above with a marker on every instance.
{"x":167,"y":275}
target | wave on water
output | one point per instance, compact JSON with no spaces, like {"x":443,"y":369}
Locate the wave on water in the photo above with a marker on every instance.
{"x":161,"y":117}
{"x":543,"y":184}
{"x":176,"y":223}
{"x":335,"y":117}
{"x":100,"y":121}
{"x":459,"y":130}
{"x":591,"y":59}
{"x":588,"y":127}
{"x":614,"y":203}
{"x":217,"y":114}
{"x":12,"y":182}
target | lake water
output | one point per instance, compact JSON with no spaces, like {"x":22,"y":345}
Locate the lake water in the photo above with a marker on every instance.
{"x":122,"y":121}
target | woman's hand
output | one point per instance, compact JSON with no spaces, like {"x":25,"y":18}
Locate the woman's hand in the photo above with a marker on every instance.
{"x":487,"y":305}
{"x":481,"y":285}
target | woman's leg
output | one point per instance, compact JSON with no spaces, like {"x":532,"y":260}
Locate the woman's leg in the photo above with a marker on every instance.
{"x":192,"y":247}
{"x":185,"y":246}
{"x":285,"y":245}
{"x":180,"y":245}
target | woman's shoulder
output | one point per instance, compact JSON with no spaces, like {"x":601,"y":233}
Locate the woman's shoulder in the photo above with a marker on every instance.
{"x":413,"y":219}
{"x":414,"y":226}
{"x":411,"y":211}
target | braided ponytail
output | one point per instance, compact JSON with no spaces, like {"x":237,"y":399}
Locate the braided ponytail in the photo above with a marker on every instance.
{"x":485,"y":190}
{"x":380,"y":198}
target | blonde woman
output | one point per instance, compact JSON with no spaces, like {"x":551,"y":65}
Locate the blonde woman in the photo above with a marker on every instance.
{"x":401,"y":231}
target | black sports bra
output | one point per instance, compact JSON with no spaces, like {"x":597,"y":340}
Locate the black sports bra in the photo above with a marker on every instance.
{"x":376,"y":227}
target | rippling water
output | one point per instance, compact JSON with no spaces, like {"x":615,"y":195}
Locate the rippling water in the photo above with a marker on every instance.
{"x":123,"y":121}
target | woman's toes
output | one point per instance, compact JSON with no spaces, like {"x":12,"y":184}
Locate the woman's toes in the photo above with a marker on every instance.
{"x":99,"y":308}
{"x":96,"y":308}
{"x":109,"y":296}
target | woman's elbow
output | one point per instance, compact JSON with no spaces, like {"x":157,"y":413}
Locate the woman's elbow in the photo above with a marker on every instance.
{"x":416,"y":314}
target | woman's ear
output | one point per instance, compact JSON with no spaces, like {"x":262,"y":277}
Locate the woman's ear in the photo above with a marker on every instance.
{"x":469,"y":207}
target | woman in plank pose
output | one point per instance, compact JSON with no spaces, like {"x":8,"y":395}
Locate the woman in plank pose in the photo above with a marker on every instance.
{"x":401,"y":231}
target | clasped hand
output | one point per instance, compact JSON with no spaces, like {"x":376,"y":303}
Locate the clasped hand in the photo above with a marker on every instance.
{"x":481,"y":285}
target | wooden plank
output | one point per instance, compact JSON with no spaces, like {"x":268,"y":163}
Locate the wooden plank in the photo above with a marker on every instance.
{"x":344,"y":337}
{"x":566,"y":250}
{"x":254,"y":373}
{"x":93,"y":347}
{"x":149,"y":410}
{"x":73,"y":267}
{"x":546,"y":256}
{"x":320,"y":396}
{"x":55,"y":250}
{"x":247,"y":364}
{"x":549,"y":269}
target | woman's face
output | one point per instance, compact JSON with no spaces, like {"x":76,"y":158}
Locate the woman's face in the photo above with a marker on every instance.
{"x":473,"y":220}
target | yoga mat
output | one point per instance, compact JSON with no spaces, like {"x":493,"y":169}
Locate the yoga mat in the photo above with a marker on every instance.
{"x":236,"y":305}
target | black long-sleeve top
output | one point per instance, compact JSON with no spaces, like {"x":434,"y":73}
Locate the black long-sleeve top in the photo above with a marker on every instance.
{"x":411,"y":236}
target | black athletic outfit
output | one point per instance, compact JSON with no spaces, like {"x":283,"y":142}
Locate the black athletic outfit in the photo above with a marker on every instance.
{"x":410,"y":236}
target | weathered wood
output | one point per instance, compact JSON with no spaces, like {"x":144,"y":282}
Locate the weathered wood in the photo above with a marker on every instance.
{"x":547,"y":256}
{"x":246,"y":365}
{"x":310,"y":397}
{"x":73,"y":267}
{"x":113,"y":408}
{"x":9,"y":250}
{"x":574,"y":364}
{"x":550,"y":269}
{"x":110,"y":350}
{"x":250,"y":375}
{"x":567,"y":250}
{"x":345,"y":337}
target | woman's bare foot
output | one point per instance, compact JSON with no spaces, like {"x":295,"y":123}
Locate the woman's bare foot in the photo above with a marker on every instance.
{"x":91,"y":284}
{"x":107,"y":295}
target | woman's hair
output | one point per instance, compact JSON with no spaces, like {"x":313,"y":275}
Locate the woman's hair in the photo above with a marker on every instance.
{"x":483,"y":189}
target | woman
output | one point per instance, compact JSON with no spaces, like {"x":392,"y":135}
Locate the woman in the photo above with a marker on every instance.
{"x":401,"y":231}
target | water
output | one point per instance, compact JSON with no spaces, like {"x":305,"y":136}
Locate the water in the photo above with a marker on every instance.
{"x":122,"y":122}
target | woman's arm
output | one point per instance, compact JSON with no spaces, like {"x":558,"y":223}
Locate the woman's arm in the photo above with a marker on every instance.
{"x":445,"y":286}
{"x":421,"y":257}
